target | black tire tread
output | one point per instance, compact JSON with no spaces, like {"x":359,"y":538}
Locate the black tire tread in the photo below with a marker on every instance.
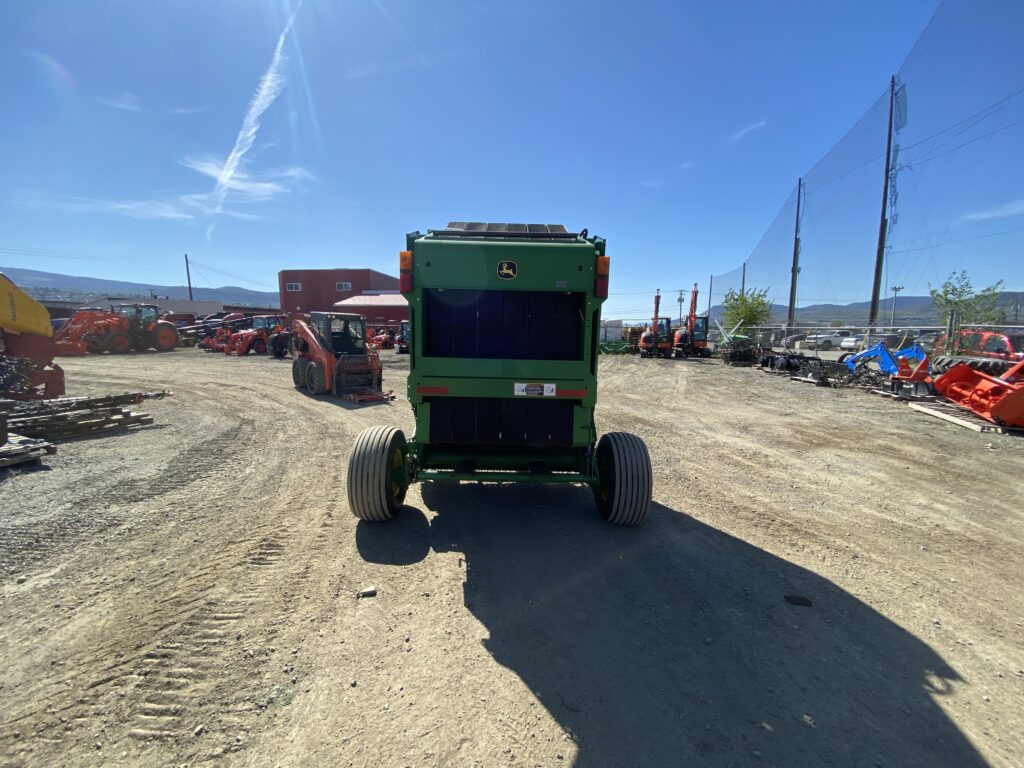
{"x":299,"y":372}
{"x":633,"y":478}
{"x":368,"y":495}
{"x":315,"y":379}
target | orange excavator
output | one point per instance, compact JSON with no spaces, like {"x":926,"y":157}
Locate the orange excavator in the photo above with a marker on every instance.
{"x":692,"y":341}
{"x":330,"y":354}
{"x":657,"y":340}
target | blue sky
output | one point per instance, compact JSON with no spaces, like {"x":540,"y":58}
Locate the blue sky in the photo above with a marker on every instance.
{"x":136,"y":132}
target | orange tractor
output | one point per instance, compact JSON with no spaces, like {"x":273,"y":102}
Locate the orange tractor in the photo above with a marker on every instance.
{"x":255,"y":339}
{"x":330,"y":354}
{"x":124,"y":328}
{"x":657,"y":340}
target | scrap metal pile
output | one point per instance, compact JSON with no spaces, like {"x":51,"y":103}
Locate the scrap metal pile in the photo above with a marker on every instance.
{"x":824,"y":373}
{"x":739,"y":351}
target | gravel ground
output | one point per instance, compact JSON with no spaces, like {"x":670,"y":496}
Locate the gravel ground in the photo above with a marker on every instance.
{"x":184,"y":594}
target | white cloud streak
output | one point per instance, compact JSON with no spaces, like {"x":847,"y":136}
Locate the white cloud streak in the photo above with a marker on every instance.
{"x":269,"y":88}
{"x":1008,"y":210}
{"x":185,"y":110}
{"x":129,"y":102}
{"x":749,"y":129}
{"x":686,"y":166}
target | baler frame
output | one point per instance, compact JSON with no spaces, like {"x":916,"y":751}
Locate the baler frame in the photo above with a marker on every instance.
{"x":505,"y":323}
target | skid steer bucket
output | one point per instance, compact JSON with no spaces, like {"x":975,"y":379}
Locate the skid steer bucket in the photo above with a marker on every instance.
{"x":1000,"y":400}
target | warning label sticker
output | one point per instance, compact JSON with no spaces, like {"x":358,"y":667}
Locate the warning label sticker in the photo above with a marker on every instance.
{"x":534,"y":390}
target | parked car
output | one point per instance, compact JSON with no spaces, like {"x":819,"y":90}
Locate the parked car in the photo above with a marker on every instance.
{"x":972,"y":343}
{"x":852,"y":342}
{"x":892,"y":341}
{"x":827,"y":340}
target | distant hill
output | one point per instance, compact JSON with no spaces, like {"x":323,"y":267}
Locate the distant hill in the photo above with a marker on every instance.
{"x":50,"y":285}
{"x":910,"y":311}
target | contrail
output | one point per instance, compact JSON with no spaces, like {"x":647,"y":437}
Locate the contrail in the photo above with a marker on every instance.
{"x":271,"y":85}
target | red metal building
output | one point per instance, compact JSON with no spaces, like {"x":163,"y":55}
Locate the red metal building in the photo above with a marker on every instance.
{"x":317,"y":290}
{"x":387,"y":309}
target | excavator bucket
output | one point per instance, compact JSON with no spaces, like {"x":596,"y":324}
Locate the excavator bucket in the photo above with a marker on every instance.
{"x":1000,"y":400}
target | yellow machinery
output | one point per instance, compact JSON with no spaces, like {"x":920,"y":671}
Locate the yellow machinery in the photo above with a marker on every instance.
{"x":27,"y":369}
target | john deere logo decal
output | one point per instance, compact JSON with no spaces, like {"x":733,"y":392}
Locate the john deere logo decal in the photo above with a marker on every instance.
{"x":507,"y":270}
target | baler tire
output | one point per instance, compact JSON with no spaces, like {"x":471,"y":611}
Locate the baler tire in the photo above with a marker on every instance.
{"x":118,"y":343}
{"x":316,"y":379}
{"x":626,"y":480}
{"x":260,"y":347}
{"x":299,"y":372}
{"x":377,"y":482}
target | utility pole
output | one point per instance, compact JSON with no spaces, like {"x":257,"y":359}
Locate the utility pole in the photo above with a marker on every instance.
{"x":188,"y":276}
{"x":743,"y":279}
{"x":711,"y":284}
{"x":883,"y":224}
{"x":791,"y":316}
{"x":680,"y":306}
{"x":892,"y":317}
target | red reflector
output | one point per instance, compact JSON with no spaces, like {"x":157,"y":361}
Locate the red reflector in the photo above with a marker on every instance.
{"x":405,"y":282}
{"x":601,"y":287}
{"x":431,"y":390}
{"x":581,"y":393}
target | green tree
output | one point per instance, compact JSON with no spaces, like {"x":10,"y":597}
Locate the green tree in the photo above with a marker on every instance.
{"x":975,"y":307}
{"x":752,"y":307}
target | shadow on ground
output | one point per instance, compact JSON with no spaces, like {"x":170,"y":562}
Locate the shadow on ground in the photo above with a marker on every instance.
{"x":672,"y":644}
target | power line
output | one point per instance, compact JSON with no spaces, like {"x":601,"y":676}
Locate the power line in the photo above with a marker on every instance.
{"x":958,"y":240}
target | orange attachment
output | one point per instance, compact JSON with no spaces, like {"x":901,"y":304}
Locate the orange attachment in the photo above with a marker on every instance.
{"x":405,"y":261}
{"x":603,"y":265}
{"x":1000,"y":400}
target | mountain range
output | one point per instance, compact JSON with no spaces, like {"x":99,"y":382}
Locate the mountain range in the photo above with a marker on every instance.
{"x":910,"y":310}
{"x":50,"y":285}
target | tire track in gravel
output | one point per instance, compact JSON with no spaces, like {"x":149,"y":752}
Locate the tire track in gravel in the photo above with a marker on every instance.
{"x":23,"y":545}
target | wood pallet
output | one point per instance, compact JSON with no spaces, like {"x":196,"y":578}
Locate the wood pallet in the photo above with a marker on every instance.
{"x":69,"y":417}
{"x":77,"y":423}
{"x":956,"y":414}
{"x":812,"y":380}
{"x":24,"y":450}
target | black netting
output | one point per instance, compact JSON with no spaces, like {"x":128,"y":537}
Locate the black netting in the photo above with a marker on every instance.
{"x":956,"y":200}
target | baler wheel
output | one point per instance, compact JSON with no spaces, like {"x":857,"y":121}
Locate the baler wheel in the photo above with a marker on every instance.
{"x":625,"y":482}
{"x":377,"y":478}
{"x":299,"y":372}
{"x":260,"y":346}
{"x":316,"y":380}
{"x":119,"y":343}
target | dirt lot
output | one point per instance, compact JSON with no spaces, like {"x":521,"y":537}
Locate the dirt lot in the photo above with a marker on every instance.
{"x":185,"y":594}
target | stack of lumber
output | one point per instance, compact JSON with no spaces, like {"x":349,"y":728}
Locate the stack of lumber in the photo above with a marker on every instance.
{"x":17,"y":449}
{"x":68,"y":417}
